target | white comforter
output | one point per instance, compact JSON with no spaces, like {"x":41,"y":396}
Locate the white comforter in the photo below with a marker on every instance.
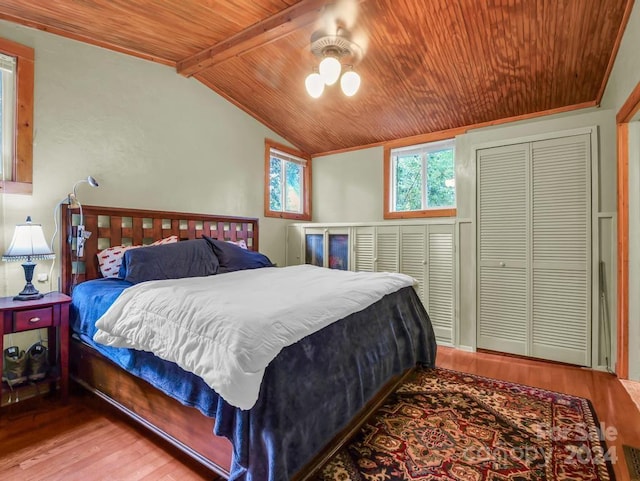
{"x":227,"y":328}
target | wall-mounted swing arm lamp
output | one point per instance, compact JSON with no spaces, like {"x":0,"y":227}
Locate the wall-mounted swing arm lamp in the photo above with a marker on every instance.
{"x":331,"y":49}
{"x":72,"y":199}
{"x":81,"y":234}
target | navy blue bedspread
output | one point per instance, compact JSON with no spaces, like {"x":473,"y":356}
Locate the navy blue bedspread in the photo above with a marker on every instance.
{"x":309,"y":392}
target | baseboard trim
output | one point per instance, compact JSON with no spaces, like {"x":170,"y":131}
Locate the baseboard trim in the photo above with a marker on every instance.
{"x":465,"y":348}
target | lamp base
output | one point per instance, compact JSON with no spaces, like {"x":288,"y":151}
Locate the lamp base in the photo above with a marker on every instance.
{"x":29,"y":292}
{"x":28,"y":297}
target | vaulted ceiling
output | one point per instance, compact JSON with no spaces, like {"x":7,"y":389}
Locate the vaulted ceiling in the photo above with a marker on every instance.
{"x":428,"y":65}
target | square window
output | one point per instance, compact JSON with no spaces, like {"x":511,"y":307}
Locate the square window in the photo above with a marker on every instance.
{"x":422,"y":180}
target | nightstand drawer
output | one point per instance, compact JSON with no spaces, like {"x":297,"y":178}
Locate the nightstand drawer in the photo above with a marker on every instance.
{"x":32,"y":319}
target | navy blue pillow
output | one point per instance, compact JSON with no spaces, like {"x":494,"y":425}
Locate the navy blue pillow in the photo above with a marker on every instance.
{"x":190,"y":258}
{"x":234,"y":258}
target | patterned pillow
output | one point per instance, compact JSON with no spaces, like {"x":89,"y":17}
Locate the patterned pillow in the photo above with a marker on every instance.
{"x":110,"y":258}
{"x":240,"y":243}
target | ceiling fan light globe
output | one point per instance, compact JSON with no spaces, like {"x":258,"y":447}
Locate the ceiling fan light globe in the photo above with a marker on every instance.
{"x":330,"y":69}
{"x":350,"y":83}
{"x":314,"y":84}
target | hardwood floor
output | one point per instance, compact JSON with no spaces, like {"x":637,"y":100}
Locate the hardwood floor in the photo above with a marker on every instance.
{"x":88,"y":440}
{"x":85,"y":440}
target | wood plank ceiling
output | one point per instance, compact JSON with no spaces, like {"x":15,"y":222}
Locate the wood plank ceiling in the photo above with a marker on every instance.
{"x":428,"y":65}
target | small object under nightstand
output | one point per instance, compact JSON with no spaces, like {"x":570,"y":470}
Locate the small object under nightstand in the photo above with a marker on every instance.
{"x":50,"y":312}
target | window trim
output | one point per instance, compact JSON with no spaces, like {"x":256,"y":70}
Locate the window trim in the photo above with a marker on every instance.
{"x":306,"y":182}
{"x":388,"y":177}
{"x":21,"y":181}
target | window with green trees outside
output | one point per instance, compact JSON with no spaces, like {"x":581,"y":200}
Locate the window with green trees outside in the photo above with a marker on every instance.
{"x":287,"y":182}
{"x":423,"y":177}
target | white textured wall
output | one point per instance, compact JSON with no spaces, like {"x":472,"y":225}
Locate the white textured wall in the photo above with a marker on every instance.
{"x":152,"y":138}
{"x":626,"y":69}
{"x":348,"y":187}
{"x":624,"y":78}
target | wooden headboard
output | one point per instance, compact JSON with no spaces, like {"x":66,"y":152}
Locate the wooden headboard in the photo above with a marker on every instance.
{"x":111,"y":226}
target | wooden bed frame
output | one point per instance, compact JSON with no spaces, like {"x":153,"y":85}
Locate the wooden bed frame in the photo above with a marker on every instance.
{"x":182,"y":426}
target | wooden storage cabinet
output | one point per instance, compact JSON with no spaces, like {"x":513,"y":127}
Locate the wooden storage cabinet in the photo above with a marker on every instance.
{"x":423,"y":250}
{"x":50,"y":312}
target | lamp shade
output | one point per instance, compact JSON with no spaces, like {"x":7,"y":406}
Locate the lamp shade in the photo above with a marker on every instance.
{"x":314,"y":84}
{"x":28,"y":244}
{"x":330,"y":69}
{"x":350,"y":83}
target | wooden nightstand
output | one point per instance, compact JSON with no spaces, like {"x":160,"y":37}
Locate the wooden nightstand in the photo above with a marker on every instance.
{"x":50,"y":312}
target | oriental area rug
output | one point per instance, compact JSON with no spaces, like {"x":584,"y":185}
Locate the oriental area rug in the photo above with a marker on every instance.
{"x":447,"y":425}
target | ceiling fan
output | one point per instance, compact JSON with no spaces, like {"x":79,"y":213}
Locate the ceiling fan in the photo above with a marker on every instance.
{"x":333,"y":42}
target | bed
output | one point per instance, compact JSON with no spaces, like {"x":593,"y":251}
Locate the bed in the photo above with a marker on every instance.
{"x":313,"y":395}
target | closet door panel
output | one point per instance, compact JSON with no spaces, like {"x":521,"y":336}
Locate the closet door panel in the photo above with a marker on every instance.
{"x":441,"y":281}
{"x":294,"y":245}
{"x":364,"y":249}
{"x":503,"y":308}
{"x":314,"y":248}
{"x":561,"y":219}
{"x":413,"y":256}
{"x":337,"y":240}
{"x":387,"y":249}
{"x":503,"y":205}
{"x":502,"y":248}
{"x":561,"y":200}
{"x":560,"y":309}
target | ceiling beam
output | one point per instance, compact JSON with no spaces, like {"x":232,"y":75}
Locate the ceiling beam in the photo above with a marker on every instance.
{"x":272,"y":28}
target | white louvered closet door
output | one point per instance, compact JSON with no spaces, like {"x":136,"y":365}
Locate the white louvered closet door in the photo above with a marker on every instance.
{"x":376,"y":249}
{"x":502,"y":248}
{"x":364,"y":249}
{"x":427,"y":254}
{"x":534,"y":248}
{"x":413,"y":256}
{"x":441,"y":281}
{"x":387,"y":249}
{"x":561,"y":222}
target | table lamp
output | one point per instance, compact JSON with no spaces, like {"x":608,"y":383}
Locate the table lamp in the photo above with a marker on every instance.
{"x":28,"y":244}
